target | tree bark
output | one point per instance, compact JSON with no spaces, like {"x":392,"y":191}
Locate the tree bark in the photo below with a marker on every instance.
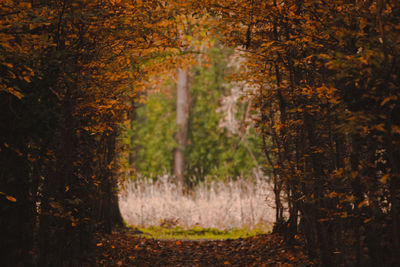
{"x":109,"y":209}
{"x":182,"y":115}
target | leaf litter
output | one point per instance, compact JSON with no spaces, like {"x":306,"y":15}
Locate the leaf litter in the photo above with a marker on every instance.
{"x":127,"y":249}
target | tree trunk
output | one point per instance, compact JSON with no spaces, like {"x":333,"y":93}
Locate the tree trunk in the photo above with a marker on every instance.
{"x":110,"y":215}
{"x":182,"y":115}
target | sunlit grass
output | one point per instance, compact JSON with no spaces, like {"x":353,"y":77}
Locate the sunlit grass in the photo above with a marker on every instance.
{"x":196,"y":233}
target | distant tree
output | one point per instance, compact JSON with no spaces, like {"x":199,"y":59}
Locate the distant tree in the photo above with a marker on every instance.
{"x":181,"y":122}
{"x":216,"y":149}
{"x":213,"y":149}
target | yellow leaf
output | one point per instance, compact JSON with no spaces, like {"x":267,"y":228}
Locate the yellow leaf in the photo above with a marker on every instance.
{"x":99,"y":244}
{"x":227,"y":263}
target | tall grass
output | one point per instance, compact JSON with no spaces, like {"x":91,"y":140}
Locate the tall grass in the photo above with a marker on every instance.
{"x":222,"y":205}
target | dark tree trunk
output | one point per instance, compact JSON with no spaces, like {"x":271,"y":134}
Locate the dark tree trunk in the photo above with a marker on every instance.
{"x":109,"y":213}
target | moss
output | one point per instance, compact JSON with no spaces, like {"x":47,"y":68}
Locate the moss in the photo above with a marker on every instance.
{"x":158,"y":232}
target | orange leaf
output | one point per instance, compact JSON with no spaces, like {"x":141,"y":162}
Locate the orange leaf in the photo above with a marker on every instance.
{"x":12,"y":199}
{"x":380,"y":127}
{"x":9,"y":65}
{"x":384,"y":178}
{"x":333,"y":195}
{"x":387,"y":99}
{"x":178,"y":243}
{"x":362,"y":204}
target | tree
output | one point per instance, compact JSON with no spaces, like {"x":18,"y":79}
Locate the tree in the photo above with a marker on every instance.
{"x":182,"y":117}
{"x":214,"y":150}
{"x":222,"y":143}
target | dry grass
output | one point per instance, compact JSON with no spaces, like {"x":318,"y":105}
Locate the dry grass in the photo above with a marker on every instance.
{"x":222,"y":205}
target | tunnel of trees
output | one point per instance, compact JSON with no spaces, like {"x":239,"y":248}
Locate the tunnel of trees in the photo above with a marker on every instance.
{"x":327,"y":81}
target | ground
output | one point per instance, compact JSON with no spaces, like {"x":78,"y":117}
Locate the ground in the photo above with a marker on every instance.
{"x":124,"y":248}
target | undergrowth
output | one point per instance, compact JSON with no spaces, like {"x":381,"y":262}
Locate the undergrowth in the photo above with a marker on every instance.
{"x":233,"y":204}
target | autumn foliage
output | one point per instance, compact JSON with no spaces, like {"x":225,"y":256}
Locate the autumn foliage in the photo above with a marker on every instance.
{"x":69,"y":70}
{"x":327,"y":74}
{"x":327,"y":79}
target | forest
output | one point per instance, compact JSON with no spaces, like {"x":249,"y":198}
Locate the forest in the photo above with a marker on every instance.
{"x":99,"y":93}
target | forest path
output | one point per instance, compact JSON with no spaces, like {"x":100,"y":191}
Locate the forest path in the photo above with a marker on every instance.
{"x":126,"y":249}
